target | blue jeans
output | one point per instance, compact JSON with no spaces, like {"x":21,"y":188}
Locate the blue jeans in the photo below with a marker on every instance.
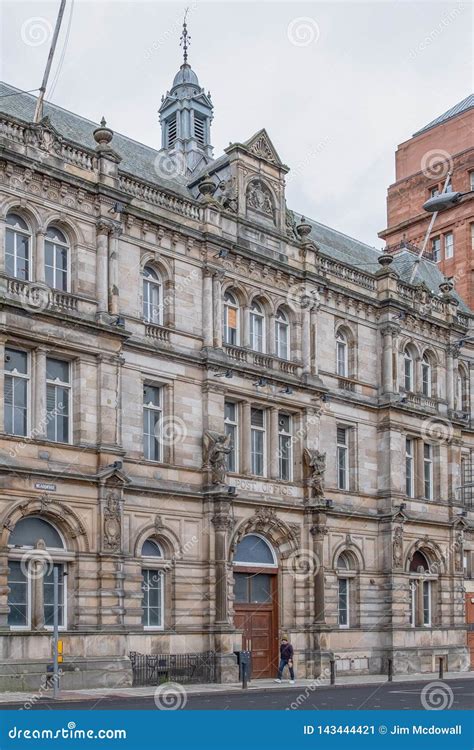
{"x":283,"y":664}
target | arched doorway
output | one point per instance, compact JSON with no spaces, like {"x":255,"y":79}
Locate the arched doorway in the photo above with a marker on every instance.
{"x":256,"y":602}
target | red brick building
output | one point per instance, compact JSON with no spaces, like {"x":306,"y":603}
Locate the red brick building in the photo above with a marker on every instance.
{"x":445,"y":145}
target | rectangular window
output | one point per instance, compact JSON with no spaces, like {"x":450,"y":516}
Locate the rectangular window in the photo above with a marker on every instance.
{"x":171,"y":131}
{"x":48,"y":593}
{"x":343,"y":608}
{"x":428,"y":471}
{"x":436,"y":249}
{"x":152,"y":422}
{"x":58,"y":400}
{"x":17,"y":254}
{"x":426,"y":602}
{"x":341,"y":354}
{"x":448,"y":245}
{"x":55,"y":266}
{"x":257,"y":442}
{"x":16,"y":387}
{"x":426,"y":378}
{"x":231,"y":429}
{"x":409,"y":467}
{"x":434,"y":191}
{"x":152,"y":598}
{"x":342,"y":458}
{"x":285,"y":445}
{"x":200,"y":128}
{"x":471,"y":180}
{"x":408,"y":373}
{"x":19,"y":615}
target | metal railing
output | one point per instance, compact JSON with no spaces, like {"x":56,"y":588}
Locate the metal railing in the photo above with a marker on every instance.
{"x":154,"y":669}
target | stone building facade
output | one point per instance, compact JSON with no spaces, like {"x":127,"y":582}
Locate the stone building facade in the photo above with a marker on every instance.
{"x":440,"y":152}
{"x":222,"y":422}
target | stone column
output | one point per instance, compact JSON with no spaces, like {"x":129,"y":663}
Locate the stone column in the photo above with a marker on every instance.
{"x":40,"y":274}
{"x":451,"y":353}
{"x":207,"y":327}
{"x":2,"y":243}
{"x":37,"y":567}
{"x":387,"y":359}
{"x":314,"y":339}
{"x":221,"y":521}
{"x":2,"y":382}
{"x":113,"y":264}
{"x":102,"y":271}
{"x":271,"y":335}
{"x":274,"y":462}
{"x":245,"y":438}
{"x":318,"y":532}
{"x":39,"y":426}
{"x":306,"y":341}
{"x":245,"y":338}
{"x":217,"y":309}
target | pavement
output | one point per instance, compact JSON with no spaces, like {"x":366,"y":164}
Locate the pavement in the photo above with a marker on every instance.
{"x":108,"y":695}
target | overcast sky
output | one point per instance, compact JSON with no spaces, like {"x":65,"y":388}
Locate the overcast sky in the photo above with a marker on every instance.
{"x":337,"y":85}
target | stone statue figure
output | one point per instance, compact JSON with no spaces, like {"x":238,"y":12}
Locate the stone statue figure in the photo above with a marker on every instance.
{"x":217,"y":446}
{"x":316,"y":463}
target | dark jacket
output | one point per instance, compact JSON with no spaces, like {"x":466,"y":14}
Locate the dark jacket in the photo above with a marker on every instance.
{"x":286,"y":651}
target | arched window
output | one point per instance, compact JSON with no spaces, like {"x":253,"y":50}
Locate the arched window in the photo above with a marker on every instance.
{"x":342,"y":354}
{"x":231,"y":320}
{"x":152,"y":296}
{"x":462,"y":395}
{"x":35,"y":549}
{"x":345,"y":571}
{"x":282,"y":335}
{"x":257,"y":328}
{"x":254,"y":550}
{"x":251,"y":584}
{"x":426,"y":376}
{"x":408,"y":370}
{"x":17,"y":247}
{"x":153,"y":585}
{"x":422,"y":587}
{"x":56,"y":259}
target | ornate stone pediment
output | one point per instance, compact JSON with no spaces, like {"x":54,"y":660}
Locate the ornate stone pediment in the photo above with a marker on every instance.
{"x":44,"y":136}
{"x":261,"y":146}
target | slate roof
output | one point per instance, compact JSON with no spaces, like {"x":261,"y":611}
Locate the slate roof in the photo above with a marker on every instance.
{"x":139,"y":160}
{"x":467,"y":103}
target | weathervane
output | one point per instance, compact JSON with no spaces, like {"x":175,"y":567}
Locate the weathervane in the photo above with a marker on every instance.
{"x":185,"y":39}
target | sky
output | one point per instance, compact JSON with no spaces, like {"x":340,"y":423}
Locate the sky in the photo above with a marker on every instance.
{"x":337,"y":85}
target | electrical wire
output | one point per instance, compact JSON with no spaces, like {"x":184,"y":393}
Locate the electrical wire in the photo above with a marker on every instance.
{"x":63,"y":54}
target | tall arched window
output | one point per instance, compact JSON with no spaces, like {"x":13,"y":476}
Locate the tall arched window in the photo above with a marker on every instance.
{"x":152,"y":296}
{"x":17,"y":247}
{"x":282,"y":335}
{"x":153,"y":585}
{"x":257,"y":328}
{"x":346,"y":570}
{"x":342,"y":354}
{"x":408,"y":370}
{"x":35,"y":549}
{"x":231,"y":320}
{"x":422,"y":589}
{"x":56,"y":259}
{"x":426,"y":376}
{"x":462,"y":395}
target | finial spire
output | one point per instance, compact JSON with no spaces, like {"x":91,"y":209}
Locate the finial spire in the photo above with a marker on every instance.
{"x":185,"y":38}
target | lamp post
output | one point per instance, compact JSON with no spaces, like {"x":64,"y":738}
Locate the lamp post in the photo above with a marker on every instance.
{"x":443,"y":201}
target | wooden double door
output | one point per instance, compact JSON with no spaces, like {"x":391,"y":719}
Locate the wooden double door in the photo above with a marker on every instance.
{"x":256,"y":614}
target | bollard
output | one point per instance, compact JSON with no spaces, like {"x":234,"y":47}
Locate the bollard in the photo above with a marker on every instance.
{"x":333,"y":671}
{"x":390,"y":670}
{"x":441,"y":667}
{"x":244,"y":676}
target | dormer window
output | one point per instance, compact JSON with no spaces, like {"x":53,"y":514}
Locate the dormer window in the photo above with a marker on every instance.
{"x":171,"y":131}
